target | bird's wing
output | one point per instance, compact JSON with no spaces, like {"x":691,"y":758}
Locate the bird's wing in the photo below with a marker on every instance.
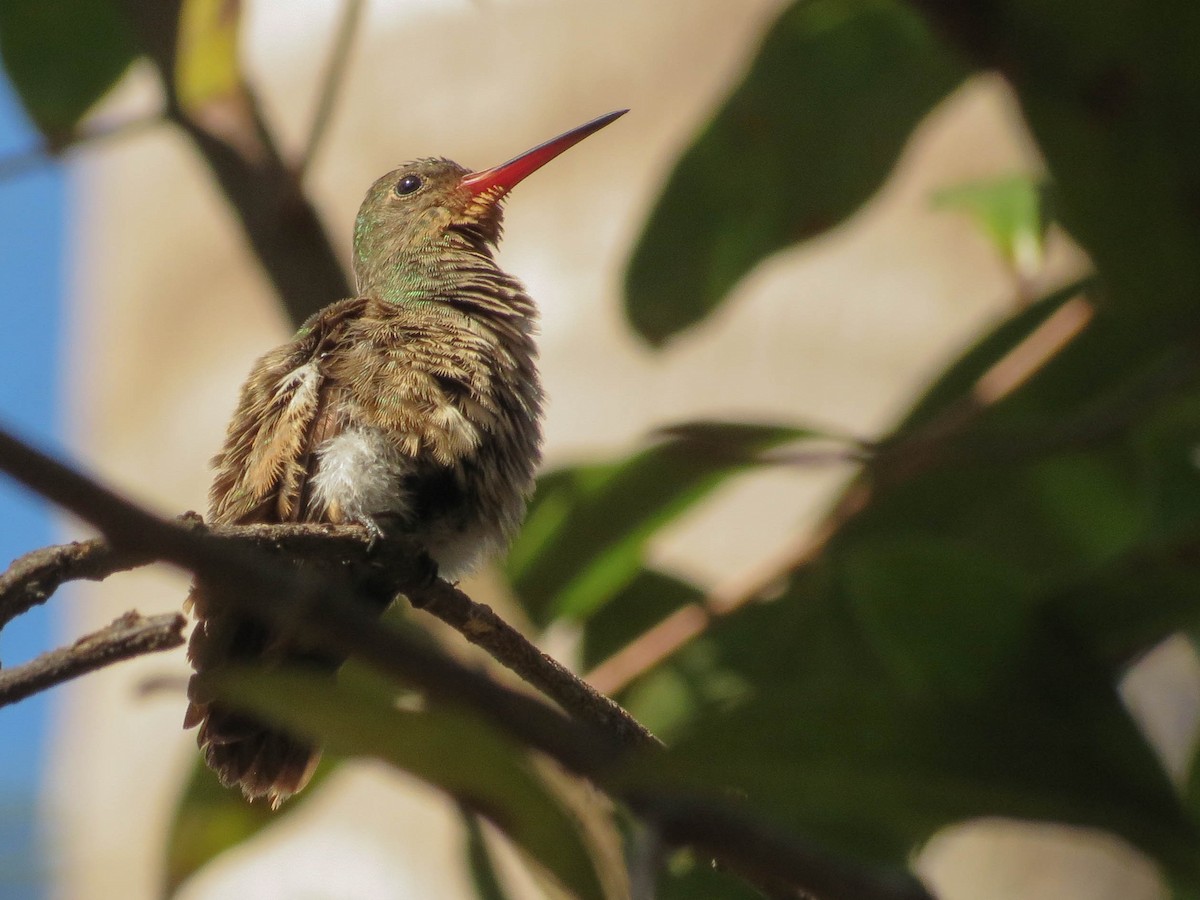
{"x":283,"y":414}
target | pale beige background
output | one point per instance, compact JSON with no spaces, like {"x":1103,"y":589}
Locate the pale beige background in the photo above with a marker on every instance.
{"x":169,"y":312}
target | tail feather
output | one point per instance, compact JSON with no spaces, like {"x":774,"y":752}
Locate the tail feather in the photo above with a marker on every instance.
{"x":263,"y":762}
{"x":244,"y":751}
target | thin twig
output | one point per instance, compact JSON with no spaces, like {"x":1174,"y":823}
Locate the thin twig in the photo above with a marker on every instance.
{"x":129,"y":636}
{"x":480,"y":625}
{"x":331,"y":82}
{"x":688,"y":622}
{"x":33,"y":578}
{"x":328,"y":614}
{"x":27,"y":160}
{"x":890,"y":461}
{"x":319,"y":609}
{"x":393,"y":565}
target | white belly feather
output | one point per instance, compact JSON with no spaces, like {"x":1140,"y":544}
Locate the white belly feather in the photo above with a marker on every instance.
{"x":360,"y":474}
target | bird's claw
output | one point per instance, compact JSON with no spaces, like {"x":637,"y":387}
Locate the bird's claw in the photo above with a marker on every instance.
{"x":374,"y":536}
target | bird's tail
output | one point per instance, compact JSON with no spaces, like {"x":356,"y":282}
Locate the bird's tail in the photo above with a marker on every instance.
{"x":242,"y":750}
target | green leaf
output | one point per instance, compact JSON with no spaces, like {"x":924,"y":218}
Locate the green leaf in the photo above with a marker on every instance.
{"x":211,"y":818}
{"x":1012,"y":211}
{"x":689,"y":878}
{"x":954,"y":651}
{"x":450,"y":749}
{"x":647,"y":599}
{"x":868,"y":742}
{"x":669,"y":697}
{"x":209,"y":85}
{"x":479,"y":861}
{"x":206,"y":61}
{"x":585,"y":536}
{"x":942,"y":617}
{"x":806,"y":138}
{"x":62,"y":57}
{"x":1109,"y":99}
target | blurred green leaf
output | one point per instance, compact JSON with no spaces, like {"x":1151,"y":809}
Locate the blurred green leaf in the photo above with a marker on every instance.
{"x":942,"y":617}
{"x":209,"y":85}
{"x":647,"y":599}
{"x":1129,"y":604}
{"x":62,"y":57}
{"x":688,"y":878}
{"x":206,"y":62}
{"x":1011,"y":211}
{"x":1108,"y":99}
{"x":810,"y":133}
{"x":451,"y":750}
{"x":484,"y":876}
{"x":839,"y":742}
{"x":955,"y":650}
{"x":587,"y":528}
{"x":669,"y":697}
{"x":211,"y":818}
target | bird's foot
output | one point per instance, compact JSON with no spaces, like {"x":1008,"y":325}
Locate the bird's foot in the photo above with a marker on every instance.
{"x":380,"y":526}
{"x":375,"y":534}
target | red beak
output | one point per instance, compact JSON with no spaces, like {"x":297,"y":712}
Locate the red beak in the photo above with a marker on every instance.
{"x":501,"y":179}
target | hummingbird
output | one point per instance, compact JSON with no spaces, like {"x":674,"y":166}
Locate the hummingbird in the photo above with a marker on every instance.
{"x":411,"y":408}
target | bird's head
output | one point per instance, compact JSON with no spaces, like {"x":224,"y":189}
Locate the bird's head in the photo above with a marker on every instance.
{"x":418,"y":207}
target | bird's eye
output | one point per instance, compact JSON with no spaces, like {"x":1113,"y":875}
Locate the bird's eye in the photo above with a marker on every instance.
{"x":407,"y":185}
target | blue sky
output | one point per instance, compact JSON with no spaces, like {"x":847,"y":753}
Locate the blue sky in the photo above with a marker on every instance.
{"x":32,"y":217}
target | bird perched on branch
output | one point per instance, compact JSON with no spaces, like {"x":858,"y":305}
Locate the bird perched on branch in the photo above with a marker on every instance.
{"x":413,"y":407}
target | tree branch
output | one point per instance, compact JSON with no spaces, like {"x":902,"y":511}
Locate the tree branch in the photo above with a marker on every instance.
{"x":130,"y":635}
{"x":480,"y":625}
{"x":323,"y":611}
{"x":331,"y":83}
{"x":896,"y":458}
{"x":279,"y":221}
{"x":768,"y":858}
{"x":31,"y":579}
{"x":395,"y":566}
{"x":28,"y":160}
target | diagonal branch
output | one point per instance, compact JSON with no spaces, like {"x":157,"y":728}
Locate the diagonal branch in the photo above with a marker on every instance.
{"x":394,"y":566}
{"x":27,"y":160}
{"x":329,"y":614}
{"x":322,"y":610}
{"x":129,"y":636}
{"x":335,"y":73}
{"x":279,"y":220}
{"x":480,"y":625}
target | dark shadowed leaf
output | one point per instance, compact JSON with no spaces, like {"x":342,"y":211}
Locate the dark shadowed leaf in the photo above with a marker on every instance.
{"x":647,"y":599}
{"x":484,"y":876}
{"x":211,"y":818}
{"x":669,"y":697}
{"x":687,"y":877}
{"x":587,"y":528}
{"x":63,"y":56}
{"x":1109,"y":100}
{"x":877,"y":739}
{"x":810,"y":133}
{"x":451,"y":750}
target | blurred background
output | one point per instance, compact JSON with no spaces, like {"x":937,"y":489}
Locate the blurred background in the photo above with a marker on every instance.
{"x":134,"y":309}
